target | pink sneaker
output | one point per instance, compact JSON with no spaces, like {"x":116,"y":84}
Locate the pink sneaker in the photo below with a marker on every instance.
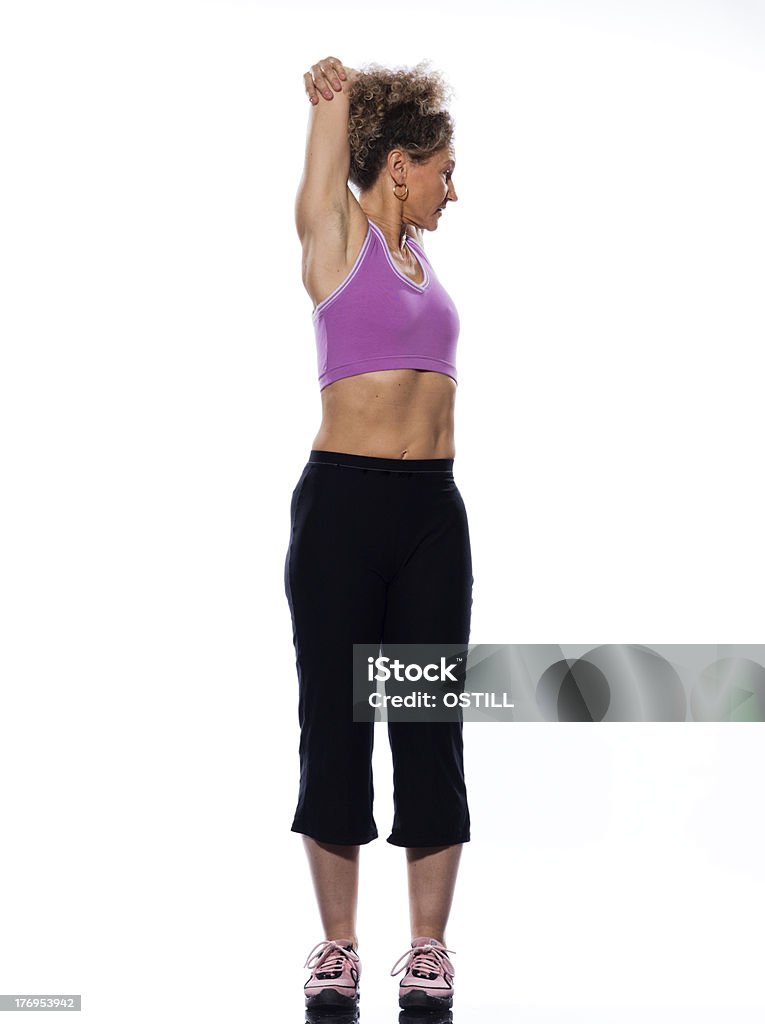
{"x":335,"y":972}
{"x":429,"y":978}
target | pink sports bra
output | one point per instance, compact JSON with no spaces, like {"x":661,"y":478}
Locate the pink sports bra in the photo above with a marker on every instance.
{"x":379,"y":319}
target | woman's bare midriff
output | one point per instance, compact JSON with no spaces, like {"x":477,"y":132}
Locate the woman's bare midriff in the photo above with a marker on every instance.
{"x":389,"y":414}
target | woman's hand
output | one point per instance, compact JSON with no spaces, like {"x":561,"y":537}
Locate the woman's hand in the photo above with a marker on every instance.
{"x":326,"y":75}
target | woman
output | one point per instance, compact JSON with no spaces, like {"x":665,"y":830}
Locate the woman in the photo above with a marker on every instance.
{"x":379,"y":546}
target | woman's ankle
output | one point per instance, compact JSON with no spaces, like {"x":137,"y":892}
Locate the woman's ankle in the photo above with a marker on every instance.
{"x":345,"y":940}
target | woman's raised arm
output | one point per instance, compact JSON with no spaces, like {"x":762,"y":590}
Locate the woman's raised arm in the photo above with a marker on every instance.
{"x":323,"y":191}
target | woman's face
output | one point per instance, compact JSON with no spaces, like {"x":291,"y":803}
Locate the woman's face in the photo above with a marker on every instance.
{"x":431,"y":187}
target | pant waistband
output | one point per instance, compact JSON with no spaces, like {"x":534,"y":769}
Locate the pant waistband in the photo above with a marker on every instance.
{"x":443,"y":466}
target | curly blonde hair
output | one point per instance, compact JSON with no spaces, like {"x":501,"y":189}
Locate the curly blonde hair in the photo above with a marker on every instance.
{"x":395,"y":109}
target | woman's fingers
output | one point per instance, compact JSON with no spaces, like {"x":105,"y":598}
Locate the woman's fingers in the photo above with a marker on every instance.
{"x":310,"y":88}
{"x":332,"y":69}
{"x":324,"y":76}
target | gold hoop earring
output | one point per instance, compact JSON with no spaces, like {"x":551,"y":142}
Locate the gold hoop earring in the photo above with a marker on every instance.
{"x":406,"y":194}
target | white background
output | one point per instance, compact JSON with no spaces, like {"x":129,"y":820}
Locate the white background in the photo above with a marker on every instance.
{"x":158,"y":399}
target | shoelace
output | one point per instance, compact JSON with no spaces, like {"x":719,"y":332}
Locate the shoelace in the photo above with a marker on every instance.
{"x":330,"y":957}
{"x":423,"y":959}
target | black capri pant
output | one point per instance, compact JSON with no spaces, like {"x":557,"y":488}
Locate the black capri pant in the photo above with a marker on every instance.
{"x":379,"y":552}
